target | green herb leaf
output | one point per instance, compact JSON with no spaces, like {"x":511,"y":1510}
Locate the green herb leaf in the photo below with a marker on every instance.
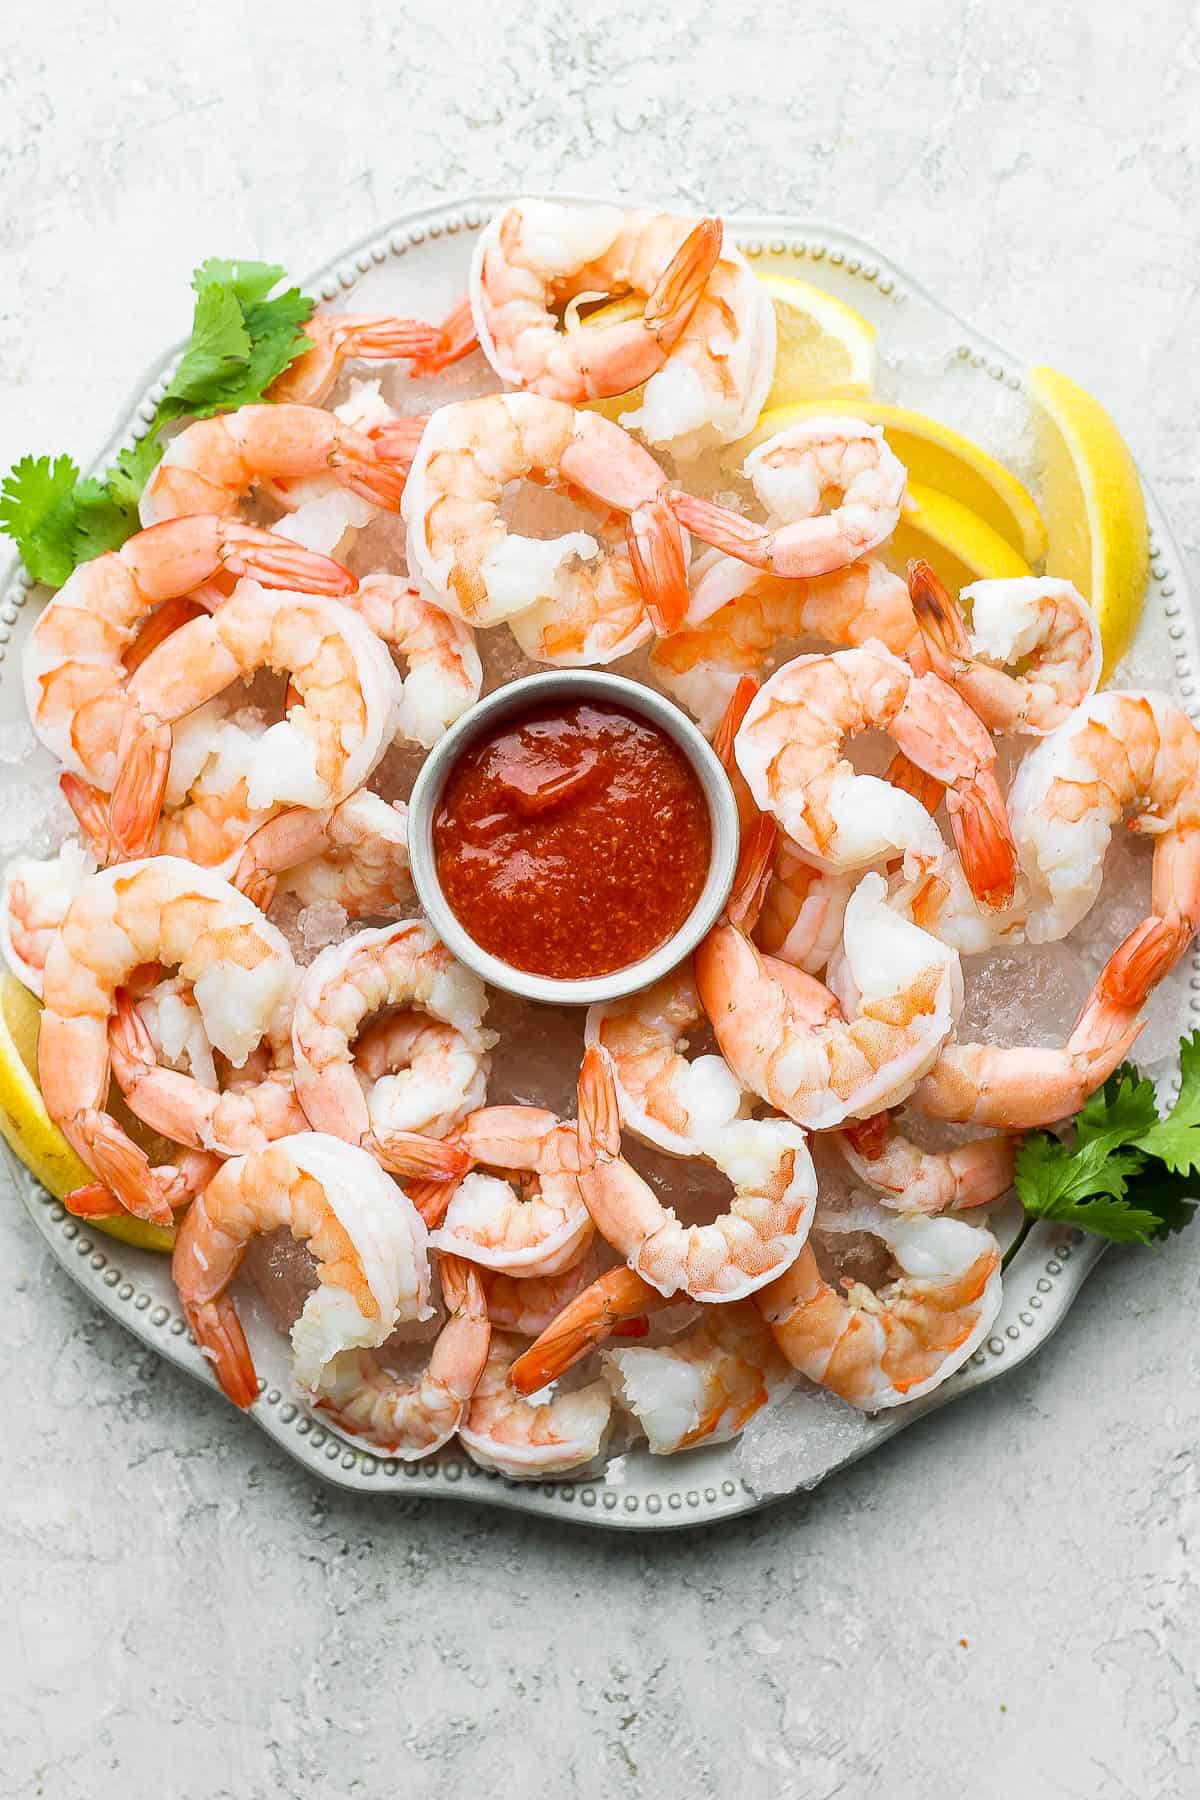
{"x":1119,"y":1112}
{"x":217,"y":355}
{"x":1175,"y":1140}
{"x":37,"y":510}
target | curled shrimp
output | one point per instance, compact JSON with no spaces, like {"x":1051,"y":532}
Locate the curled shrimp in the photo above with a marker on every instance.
{"x":912,"y":1180}
{"x":75,"y":665}
{"x":704,"y":1386}
{"x":367,"y":1240}
{"x":34,"y":899}
{"x":468,"y":561}
{"x":704,"y":342}
{"x":789,"y":750}
{"x":443,"y":674}
{"x":527,"y":1304}
{"x":737,"y":616}
{"x":775,"y":1192}
{"x":166,"y":911}
{"x":188,"y":1109}
{"x":787,"y":1038}
{"x":419,"y":1074}
{"x":536,"y":1226}
{"x":664,"y":1098}
{"x":1041,"y":627}
{"x":212,"y":465}
{"x":404,"y":966}
{"x":320,"y":753}
{"x":354,"y":855}
{"x":844,"y":461}
{"x":1120,"y":753}
{"x":339,"y":338}
{"x":411,"y":1418}
{"x":526,"y":1441}
{"x":878,"y":1348}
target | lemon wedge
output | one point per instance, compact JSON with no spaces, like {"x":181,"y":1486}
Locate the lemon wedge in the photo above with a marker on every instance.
{"x":1099,"y":536}
{"x":822,"y":345}
{"x":936,"y":456}
{"x":31,"y":1131}
{"x":960,"y":544}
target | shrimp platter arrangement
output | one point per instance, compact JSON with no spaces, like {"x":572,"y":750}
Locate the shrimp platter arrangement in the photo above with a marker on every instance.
{"x":602,"y":857}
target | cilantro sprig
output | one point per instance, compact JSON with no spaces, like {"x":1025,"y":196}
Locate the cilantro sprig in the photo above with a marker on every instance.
{"x":1129,"y":1176}
{"x":242,"y":339}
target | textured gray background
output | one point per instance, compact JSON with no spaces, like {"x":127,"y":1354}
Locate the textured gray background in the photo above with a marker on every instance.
{"x":184,"y":1614}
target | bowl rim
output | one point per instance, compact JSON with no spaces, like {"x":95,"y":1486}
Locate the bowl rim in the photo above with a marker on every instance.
{"x":519,"y":696}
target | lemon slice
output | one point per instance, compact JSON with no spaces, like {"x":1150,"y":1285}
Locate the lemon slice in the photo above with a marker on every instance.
{"x":822,"y":345}
{"x":960,"y":544}
{"x":29,"y":1128}
{"x":1099,"y":536}
{"x":936,"y":456}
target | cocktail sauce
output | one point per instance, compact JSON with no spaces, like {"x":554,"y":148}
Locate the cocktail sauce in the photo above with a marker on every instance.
{"x":572,"y":840}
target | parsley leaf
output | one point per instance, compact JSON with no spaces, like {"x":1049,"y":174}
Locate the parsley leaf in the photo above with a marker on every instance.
{"x":1119,"y":1112}
{"x":1175,"y":1140}
{"x":241,"y":341}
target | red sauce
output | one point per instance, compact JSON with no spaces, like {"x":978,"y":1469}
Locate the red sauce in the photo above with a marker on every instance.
{"x":573,"y":840}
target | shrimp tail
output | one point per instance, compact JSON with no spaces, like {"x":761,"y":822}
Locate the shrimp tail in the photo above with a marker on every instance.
{"x":656,"y":550}
{"x":218,"y":1331}
{"x":122,"y":1167}
{"x":90,"y":807}
{"x":456,"y":338}
{"x":984,"y":839}
{"x":432,"y":1199}
{"x":143,"y":764}
{"x":723,"y":529}
{"x":675,"y":295}
{"x":276,"y":562}
{"x":903,"y":773}
{"x":731,"y":720}
{"x":379,"y":478}
{"x":1138,"y":964}
{"x":397,"y":440}
{"x":163,"y":622}
{"x":422,"y":1158}
{"x":94,"y":1201}
{"x":753,"y":875}
{"x":619,"y":1296}
{"x":599,"y":1112}
{"x":940,"y":621}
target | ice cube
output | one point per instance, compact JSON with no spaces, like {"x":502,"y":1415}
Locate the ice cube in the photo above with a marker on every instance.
{"x":1023,"y":994}
{"x":322,"y":923}
{"x":798,"y":1440}
{"x":17,"y":741}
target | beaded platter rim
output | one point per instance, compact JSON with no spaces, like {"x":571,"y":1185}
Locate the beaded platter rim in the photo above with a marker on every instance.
{"x":702,"y":1486}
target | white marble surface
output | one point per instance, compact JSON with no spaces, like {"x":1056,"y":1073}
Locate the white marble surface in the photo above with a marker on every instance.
{"x":1005,"y":1601}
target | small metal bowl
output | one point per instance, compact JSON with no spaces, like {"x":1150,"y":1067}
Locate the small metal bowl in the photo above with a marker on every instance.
{"x":518,"y":697}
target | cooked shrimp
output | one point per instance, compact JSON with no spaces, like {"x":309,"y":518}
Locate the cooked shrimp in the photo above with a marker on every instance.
{"x":526,"y":1441}
{"x":413,"y":1418}
{"x":338,"y":338}
{"x":164,"y":911}
{"x":843,"y":461}
{"x":1041,"y":627}
{"x":34,"y":899}
{"x":403,"y":965}
{"x":789,"y":750}
{"x":355,"y":855}
{"x":664,"y":1098}
{"x":213,"y":464}
{"x":803,"y":911}
{"x":737,"y":616}
{"x":703,"y":1387}
{"x":467,"y":560}
{"x":538,"y":1226}
{"x":367,"y":1240}
{"x":73,"y":664}
{"x":443,"y":674}
{"x":878,"y":1349}
{"x":913,"y":1180}
{"x":419,"y":1074}
{"x":775,"y":1192}
{"x":181,"y":1179}
{"x":783,"y":1035}
{"x":319,"y":754}
{"x":1119,"y":753}
{"x":704,"y":341}
{"x":527,"y":1304}
{"x":187,"y":1108}
{"x":586,"y":1320}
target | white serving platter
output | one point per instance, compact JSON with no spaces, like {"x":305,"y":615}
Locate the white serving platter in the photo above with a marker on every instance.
{"x":929,"y":359}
